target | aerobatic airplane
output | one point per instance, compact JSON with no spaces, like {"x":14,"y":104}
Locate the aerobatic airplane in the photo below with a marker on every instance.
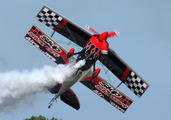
{"x":95,"y":47}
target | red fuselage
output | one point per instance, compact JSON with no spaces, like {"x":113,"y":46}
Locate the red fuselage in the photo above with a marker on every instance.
{"x":93,"y":49}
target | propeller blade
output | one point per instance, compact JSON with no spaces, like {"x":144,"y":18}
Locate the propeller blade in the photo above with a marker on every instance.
{"x":91,"y":29}
{"x":113,"y":33}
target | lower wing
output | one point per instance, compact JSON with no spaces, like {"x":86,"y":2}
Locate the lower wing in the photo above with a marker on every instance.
{"x":48,"y":46}
{"x":107,"y":91}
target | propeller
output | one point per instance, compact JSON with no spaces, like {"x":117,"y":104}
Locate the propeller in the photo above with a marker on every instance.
{"x":104,"y":35}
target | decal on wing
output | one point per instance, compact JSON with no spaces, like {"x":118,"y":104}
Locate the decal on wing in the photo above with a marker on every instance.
{"x":50,"y":18}
{"x":108,"y":92}
{"x":125,"y":73}
{"x":63,"y":26}
{"x":47,"y":45}
{"x":136,"y":84}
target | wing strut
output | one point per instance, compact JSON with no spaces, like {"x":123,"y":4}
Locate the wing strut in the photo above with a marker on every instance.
{"x":52,"y":33}
{"x":106,"y":73}
{"x":71,"y":33}
{"x":119,"y":84}
{"x":69,"y":42}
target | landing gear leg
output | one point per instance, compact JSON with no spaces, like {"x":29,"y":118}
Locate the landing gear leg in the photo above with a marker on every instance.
{"x":52,"y":100}
{"x":95,"y":72}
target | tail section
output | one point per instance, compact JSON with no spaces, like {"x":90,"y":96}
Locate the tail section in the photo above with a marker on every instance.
{"x":67,"y":97}
{"x":71,"y":99}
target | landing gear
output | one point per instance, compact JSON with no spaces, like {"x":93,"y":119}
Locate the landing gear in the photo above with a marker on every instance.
{"x":52,"y":100}
{"x":49,"y":106}
{"x":95,"y":73}
{"x":71,"y":53}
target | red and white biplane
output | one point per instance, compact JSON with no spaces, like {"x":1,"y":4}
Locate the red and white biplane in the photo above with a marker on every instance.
{"x":95,"y":47}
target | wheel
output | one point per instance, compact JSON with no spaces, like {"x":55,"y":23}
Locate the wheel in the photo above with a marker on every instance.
{"x":49,"y":106}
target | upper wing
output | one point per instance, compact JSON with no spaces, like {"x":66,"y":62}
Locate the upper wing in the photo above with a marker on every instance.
{"x":80,"y":36}
{"x":63,"y":26}
{"x":48,"y":46}
{"x":124,"y":72}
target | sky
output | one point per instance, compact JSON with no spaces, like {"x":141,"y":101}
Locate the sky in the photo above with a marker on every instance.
{"x":144,"y":44}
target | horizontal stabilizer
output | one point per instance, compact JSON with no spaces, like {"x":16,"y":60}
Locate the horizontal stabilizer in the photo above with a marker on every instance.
{"x":71,"y":99}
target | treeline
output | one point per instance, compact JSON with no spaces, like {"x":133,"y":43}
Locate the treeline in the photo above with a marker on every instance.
{"x":40,"y":118}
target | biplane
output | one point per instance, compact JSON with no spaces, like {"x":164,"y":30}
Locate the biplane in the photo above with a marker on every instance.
{"x":95,"y":47}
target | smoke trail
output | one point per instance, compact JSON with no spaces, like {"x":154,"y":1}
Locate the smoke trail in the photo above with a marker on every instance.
{"x":20,"y":86}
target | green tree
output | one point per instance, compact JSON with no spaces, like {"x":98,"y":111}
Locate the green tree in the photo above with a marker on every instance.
{"x":40,"y":118}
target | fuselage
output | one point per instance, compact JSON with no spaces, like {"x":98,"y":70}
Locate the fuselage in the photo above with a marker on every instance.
{"x":93,"y":49}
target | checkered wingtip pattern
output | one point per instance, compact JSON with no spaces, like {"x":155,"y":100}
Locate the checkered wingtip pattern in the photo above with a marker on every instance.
{"x":48,"y":17}
{"x":36,"y":31}
{"x":136,"y":84}
{"x":126,"y":100}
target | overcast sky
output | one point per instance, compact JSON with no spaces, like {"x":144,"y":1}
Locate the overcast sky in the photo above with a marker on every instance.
{"x":144,"y":44}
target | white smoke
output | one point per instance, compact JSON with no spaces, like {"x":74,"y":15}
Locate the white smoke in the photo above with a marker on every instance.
{"x":21,"y":86}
